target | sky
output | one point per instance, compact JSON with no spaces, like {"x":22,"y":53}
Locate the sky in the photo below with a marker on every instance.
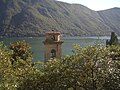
{"x":95,"y":4}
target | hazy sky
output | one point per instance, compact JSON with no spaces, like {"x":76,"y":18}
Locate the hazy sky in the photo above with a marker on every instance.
{"x":96,"y":4}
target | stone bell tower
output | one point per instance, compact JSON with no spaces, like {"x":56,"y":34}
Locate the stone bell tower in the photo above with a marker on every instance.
{"x":52,"y":45}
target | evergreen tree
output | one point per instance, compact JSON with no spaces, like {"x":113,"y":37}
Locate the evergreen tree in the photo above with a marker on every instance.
{"x":113,"y":40}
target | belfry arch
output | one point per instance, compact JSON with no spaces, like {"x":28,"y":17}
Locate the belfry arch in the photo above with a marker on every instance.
{"x":53,"y":53}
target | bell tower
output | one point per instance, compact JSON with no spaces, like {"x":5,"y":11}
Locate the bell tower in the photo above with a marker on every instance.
{"x":52,"y":45}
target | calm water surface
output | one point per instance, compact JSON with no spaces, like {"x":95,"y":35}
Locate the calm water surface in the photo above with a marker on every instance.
{"x":67,"y":46}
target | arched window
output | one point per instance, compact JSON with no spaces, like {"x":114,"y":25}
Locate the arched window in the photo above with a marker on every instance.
{"x":53,"y":37}
{"x":53,"y":53}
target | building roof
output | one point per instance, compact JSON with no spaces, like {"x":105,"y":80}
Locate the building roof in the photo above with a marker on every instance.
{"x":52,"y":32}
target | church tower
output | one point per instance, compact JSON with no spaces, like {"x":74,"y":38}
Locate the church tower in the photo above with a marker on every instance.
{"x":52,"y":45}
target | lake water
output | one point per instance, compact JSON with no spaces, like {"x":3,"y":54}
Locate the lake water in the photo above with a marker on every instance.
{"x":38,"y":46}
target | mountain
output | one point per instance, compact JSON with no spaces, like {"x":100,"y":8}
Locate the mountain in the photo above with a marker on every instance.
{"x":35,"y":17}
{"x":111,"y":18}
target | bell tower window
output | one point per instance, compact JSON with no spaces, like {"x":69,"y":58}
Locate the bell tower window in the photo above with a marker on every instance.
{"x":53,"y":53}
{"x":53,"y":37}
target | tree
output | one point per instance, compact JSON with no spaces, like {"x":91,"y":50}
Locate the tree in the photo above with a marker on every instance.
{"x":113,"y":40}
{"x":114,"y":46}
{"x":13,"y":75}
{"x":89,"y":68}
{"x":21,"y":49}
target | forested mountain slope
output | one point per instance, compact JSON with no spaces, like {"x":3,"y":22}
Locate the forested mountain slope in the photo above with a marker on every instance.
{"x":35,"y":17}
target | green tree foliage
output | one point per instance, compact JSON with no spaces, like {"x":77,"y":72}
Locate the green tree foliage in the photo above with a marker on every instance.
{"x":89,"y":68}
{"x":12,"y":75}
{"x":114,"y":46}
{"x":21,"y":49}
{"x":113,"y":40}
{"x":115,"y":52}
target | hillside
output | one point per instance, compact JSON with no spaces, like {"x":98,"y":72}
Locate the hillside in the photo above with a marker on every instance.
{"x":35,"y":17}
{"x":111,"y":18}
